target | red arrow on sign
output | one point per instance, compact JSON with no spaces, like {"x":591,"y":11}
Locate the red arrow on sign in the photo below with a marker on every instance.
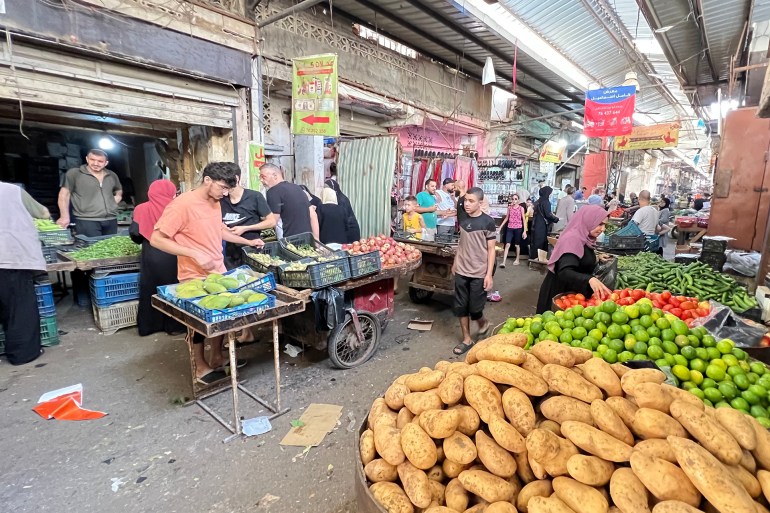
{"x":313,"y":119}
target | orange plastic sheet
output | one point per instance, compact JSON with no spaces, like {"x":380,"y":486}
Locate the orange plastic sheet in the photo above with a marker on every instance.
{"x":65,"y":404}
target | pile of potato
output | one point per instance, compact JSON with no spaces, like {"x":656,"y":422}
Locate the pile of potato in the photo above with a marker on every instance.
{"x":555,"y":430}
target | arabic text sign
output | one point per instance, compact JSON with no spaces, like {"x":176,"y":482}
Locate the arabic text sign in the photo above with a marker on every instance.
{"x":651,"y":137}
{"x":609,"y":111}
{"x":256,"y":160}
{"x":315,"y":105}
{"x":553,"y":152}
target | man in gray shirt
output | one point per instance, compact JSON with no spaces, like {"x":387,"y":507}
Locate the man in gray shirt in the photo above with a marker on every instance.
{"x":95,"y":192}
{"x":647,"y":215}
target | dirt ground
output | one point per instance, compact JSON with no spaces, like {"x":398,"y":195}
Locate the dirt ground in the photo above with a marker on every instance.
{"x":150,"y":454}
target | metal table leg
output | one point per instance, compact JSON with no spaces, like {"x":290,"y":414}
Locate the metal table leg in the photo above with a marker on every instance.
{"x":234,"y":381}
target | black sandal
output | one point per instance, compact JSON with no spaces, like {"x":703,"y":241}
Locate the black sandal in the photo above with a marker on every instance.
{"x":211,"y":378}
{"x":462,"y":348}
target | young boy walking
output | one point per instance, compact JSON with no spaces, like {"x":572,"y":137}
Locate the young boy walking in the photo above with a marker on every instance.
{"x":473,"y":268}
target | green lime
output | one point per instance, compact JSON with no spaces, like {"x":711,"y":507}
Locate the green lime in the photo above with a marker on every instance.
{"x":753,"y":378}
{"x":553,"y":328}
{"x":667,"y":334}
{"x":587,"y":343}
{"x":569,"y":315}
{"x":682,"y":341}
{"x":744,"y":365}
{"x":609,"y":307}
{"x":713,"y":394}
{"x":610,"y":356}
{"x":698,"y":365}
{"x":548,"y":315}
{"x":663,"y":323}
{"x":680,"y":360}
{"x":603,"y":317}
{"x":655,"y":341}
{"x":697,"y":392}
{"x":670,"y":359}
{"x":535,"y":328}
{"x":575,"y":343}
{"x":758,"y":368}
{"x":719,"y":362}
{"x":589,"y":312}
{"x":725,"y":346}
{"x":670,"y":348}
{"x":694,"y":341}
{"x":579,"y":321}
{"x":739,"y":403}
{"x":750,"y":397}
{"x":708,"y":383}
{"x":653,"y":332}
{"x":729,"y":391}
{"x":551,"y":337}
{"x":601,"y":327}
{"x":715,"y":372}
{"x":713,"y":353}
{"x":617,"y":345}
{"x":708,"y":341}
{"x":722,"y":404}
{"x":660,"y":362}
{"x":565,"y":338}
{"x":595,"y":333}
{"x":646,"y":321}
{"x":640,"y":357}
{"x":739,"y":353}
{"x":698,"y":331}
{"x":688,"y":352}
{"x":602,"y":348}
{"x":734,"y":371}
{"x":764,"y":381}
{"x":696,"y":377}
{"x":634,"y":323}
{"x":702,"y":353}
{"x":640,"y":348}
{"x":680,"y":327}
{"x":642,"y":336}
{"x":645,"y":307}
{"x":615,"y":331}
{"x":589,"y":324}
{"x":625,"y":356}
{"x":681,"y":372}
{"x":709,"y":403}
{"x":626,"y":329}
{"x":632,"y":311}
{"x":687,"y":385}
{"x":577,"y":310}
{"x":620,"y":317}
{"x":759,"y":390}
{"x":578,"y":333}
{"x":655,"y":352}
{"x":764,"y":421}
{"x":530,"y":340}
{"x":605,"y":341}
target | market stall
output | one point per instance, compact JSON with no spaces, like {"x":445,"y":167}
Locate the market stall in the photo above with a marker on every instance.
{"x":434,"y":275}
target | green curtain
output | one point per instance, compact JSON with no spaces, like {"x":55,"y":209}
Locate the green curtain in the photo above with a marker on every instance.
{"x":365,"y":170}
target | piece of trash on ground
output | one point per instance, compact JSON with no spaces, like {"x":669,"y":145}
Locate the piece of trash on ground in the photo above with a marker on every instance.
{"x":266,"y":501}
{"x":292,"y":351}
{"x":420,"y":325}
{"x":116,"y":483}
{"x":297,"y":423}
{"x":65,"y":404}
{"x":319,"y":420}
{"x":256,"y":426}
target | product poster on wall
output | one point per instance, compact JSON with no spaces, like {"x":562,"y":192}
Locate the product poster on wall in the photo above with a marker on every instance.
{"x":256,"y":160}
{"x":314,"y":99}
{"x":609,"y":111}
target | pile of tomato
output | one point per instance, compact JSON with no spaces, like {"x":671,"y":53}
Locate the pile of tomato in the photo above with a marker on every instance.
{"x":686,"y":308}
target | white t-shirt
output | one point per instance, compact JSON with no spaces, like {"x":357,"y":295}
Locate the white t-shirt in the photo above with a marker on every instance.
{"x":647,"y":219}
{"x":446,"y":203}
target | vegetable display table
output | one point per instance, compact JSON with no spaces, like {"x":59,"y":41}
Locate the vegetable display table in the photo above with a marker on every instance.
{"x":287,"y":304}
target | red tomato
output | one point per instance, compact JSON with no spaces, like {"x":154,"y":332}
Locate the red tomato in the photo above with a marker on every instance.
{"x":624,"y":293}
{"x":667,"y":307}
{"x":688,"y":305}
{"x":677,"y":312}
{"x":700,"y":312}
{"x":689,"y":322}
{"x":637,"y":294}
{"x":681,"y":298}
{"x":674,"y":301}
{"x":657,"y":304}
{"x":665,"y":296}
{"x":580,"y":297}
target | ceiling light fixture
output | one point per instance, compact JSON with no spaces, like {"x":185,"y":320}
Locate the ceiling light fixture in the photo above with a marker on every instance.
{"x":106,"y":143}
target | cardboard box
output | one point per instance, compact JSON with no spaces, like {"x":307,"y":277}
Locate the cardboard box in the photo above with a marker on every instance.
{"x":685,"y":249}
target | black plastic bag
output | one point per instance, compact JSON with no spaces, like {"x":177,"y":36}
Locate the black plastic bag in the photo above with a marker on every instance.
{"x":329,"y":306}
{"x":722,"y":322}
{"x":607,"y":272}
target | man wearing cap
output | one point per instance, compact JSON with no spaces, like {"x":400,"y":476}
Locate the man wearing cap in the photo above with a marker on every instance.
{"x":447,"y":208}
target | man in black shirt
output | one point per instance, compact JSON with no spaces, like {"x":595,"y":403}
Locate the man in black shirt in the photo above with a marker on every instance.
{"x":246,"y":213}
{"x":289,"y":204}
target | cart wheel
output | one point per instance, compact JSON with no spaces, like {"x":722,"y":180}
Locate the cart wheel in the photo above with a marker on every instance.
{"x":345,"y":351}
{"x":419,"y":296}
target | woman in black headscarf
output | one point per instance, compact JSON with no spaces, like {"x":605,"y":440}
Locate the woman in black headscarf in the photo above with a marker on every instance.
{"x":543,"y":218}
{"x":352,"y":229}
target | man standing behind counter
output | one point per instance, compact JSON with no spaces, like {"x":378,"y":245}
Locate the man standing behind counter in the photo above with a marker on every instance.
{"x":427,"y":206}
{"x":95,"y":192}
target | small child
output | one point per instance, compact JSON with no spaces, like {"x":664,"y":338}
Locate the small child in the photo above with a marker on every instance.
{"x":413,"y":222}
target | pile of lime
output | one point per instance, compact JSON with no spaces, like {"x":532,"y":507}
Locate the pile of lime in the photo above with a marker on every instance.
{"x":715,"y":371}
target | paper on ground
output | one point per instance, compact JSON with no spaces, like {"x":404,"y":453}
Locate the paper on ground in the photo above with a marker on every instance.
{"x":319,"y":420}
{"x":256,"y":426}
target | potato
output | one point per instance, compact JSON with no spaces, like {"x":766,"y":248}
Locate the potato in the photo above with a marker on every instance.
{"x":440,"y":423}
{"x":439,"y":509}
{"x":674,"y":506}
{"x":483,"y":395}
{"x":506,"y":435}
{"x":762,"y":451}
{"x":394,"y":396}
{"x":633,"y":377}
{"x":590,"y":470}
{"x":442,"y":365}
{"x":605,"y":418}
{"x":391,"y":497}
{"x":437,"y":492}
{"x":502,"y":353}
{"x":478,"y":508}
{"x":366,"y":446}
{"x":595,"y":442}
{"x":470,"y":419}
{"x":537,"y":468}
{"x":463,"y":369}
{"x":418,"y":402}
{"x":487,"y":486}
{"x":560,"y":408}
{"x":711,"y":435}
{"x":551,"y":504}
{"x":404,"y":417}
{"x":500,"y":507}
{"x":452,"y":469}
{"x":516,"y":339}
{"x":519,"y":410}
{"x":542,"y":445}
{"x":387,"y":441}
{"x":579,"y":497}
{"x":523,"y":470}
{"x":542,"y":488}
{"x":460,"y":449}
{"x":599,"y":372}
{"x":651,"y":395}
{"x":763,"y":476}
{"x":451,"y":389}
{"x":619,"y":369}
{"x":748,"y":462}
{"x":567,"y":382}
{"x":664,"y":480}
{"x":656,"y":448}
{"x":533,"y":365}
{"x":749,"y":482}
{"x":553,"y":352}
{"x":624,"y":408}
{"x":683,"y":395}
{"x":380,"y":470}
{"x":436,"y":473}
{"x":418,"y":447}
{"x":737,"y":424}
{"x":628,"y":493}
{"x":720,"y":487}
{"x":509,"y":374}
{"x":416,"y":484}
{"x":455,"y":496}
{"x":380,"y":412}
{"x":649,"y":423}
{"x":550,"y":425}
{"x":581,"y":355}
{"x":495,"y":458}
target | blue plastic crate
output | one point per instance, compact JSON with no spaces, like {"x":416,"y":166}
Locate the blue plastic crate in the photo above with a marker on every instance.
{"x":116,"y":288}
{"x":45,"y":302}
{"x":227,"y":314}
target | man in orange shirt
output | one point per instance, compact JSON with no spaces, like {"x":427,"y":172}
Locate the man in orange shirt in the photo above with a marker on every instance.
{"x":191,"y":228}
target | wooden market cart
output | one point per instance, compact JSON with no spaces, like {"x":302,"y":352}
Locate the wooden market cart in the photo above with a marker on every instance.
{"x":434,"y":275}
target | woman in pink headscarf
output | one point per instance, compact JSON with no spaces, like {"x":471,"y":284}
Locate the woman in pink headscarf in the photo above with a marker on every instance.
{"x":156,"y":267}
{"x":571,"y":266}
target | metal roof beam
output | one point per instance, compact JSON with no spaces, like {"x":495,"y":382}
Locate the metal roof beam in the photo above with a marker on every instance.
{"x":704,"y":40}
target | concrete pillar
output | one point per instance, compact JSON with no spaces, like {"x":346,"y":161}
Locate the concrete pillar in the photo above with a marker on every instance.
{"x":309,"y":161}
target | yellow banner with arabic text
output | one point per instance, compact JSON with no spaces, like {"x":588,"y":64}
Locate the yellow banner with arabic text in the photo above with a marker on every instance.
{"x":651,"y":137}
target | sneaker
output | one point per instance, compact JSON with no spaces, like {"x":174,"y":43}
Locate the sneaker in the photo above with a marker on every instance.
{"x":494,"y":297}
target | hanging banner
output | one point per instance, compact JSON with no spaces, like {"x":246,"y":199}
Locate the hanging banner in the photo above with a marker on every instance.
{"x":553,"y":152}
{"x":651,"y":137}
{"x":256,"y":160}
{"x":609,"y":111}
{"x":315,"y":104}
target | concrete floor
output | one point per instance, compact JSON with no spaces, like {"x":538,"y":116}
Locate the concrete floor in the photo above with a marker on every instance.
{"x":150,"y":454}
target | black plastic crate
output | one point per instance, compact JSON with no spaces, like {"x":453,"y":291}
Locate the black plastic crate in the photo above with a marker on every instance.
{"x":627,"y":241}
{"x":364,"y":265}
{"x":273,"y":249}
{"x":715,"y":260}
{"x":714,"y":245}
{"x":316,"y":275}
{"x":304,"y":239}
{"x":447,"y":238}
